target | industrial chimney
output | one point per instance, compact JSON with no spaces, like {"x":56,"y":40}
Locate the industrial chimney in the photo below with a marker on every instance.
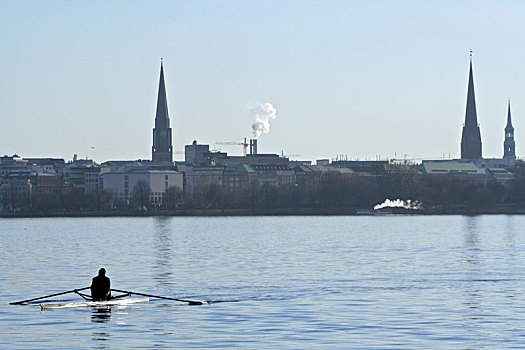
{"x":253,"y":147}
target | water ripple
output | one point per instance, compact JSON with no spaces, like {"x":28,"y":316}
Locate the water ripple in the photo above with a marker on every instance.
{"x":446,"y":282}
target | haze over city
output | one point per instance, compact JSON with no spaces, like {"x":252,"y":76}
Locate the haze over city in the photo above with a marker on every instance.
{"x":363,"y":79}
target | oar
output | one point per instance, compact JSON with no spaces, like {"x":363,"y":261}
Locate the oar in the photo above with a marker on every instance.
{"x":190,"y":302}
{"x":48,"y":296}
{"x":84,"y":296}
{"x":120,"y":296}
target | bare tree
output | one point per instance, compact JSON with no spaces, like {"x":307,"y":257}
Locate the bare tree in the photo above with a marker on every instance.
{"x":173,"y":197}
{"x":46,"y":201}
{"x":141,"y":194}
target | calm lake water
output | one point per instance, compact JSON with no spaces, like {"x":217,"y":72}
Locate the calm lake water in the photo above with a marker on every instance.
{"x":445,"y":282}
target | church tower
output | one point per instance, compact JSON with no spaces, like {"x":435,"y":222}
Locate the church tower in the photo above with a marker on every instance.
{"x":471,"y":137}
{"x":509,"y":145}
{"x":162,"y":149}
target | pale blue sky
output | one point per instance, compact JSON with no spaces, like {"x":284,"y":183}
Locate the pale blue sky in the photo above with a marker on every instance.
{"x":359,"y":78}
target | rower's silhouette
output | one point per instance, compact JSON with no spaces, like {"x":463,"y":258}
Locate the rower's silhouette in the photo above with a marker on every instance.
{"x":100,"y":286}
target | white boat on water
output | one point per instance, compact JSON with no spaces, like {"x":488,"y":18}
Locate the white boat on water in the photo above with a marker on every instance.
{"x":93,"y":304}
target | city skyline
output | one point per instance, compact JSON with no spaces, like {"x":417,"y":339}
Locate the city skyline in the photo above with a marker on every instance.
{"x":397,"y":88}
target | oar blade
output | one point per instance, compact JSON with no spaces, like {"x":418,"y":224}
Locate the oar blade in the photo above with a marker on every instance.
{"x":189,"y":302}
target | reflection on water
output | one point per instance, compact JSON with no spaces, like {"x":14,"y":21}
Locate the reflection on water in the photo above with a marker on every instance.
{"x":510,"y":233}
{"x":472,"y":240}
{"x":163,"y":251}
{"x":101,"y":339}
{"x":511,"y":257}
{"x":470,"y":281}
{"x":101,"y":315}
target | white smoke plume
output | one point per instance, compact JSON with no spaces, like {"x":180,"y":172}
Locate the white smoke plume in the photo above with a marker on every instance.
{"x":398,"y":203}
{"x":262,"y":115}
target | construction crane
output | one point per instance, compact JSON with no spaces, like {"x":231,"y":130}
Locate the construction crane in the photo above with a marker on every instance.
{"x":244,"y":145}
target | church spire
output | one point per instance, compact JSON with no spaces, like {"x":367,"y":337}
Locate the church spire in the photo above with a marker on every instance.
{"x":162,"y":148}
{"x":509,"y":145}
{"x":509,"y":120}
{"x":471,"y":136}
{"x":162,"y":116}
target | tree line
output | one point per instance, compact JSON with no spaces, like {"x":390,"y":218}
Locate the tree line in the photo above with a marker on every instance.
{"x":324,"y":192}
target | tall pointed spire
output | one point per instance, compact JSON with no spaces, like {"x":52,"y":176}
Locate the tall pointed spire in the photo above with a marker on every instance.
{"x":509,"y":120}
{"x":509,"y":145}
{"x":471,"y":137}
{"x":162,"y":103}
{"x":162,"y":149}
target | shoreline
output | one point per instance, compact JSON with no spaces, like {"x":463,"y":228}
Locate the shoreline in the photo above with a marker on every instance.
{"x":460,"y":210}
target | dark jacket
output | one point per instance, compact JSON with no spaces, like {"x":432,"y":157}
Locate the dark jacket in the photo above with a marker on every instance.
{"x":100,"y":288}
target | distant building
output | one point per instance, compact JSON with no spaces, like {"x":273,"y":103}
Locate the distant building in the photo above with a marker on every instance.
{"x":458,"y":168}
{"x":313,"y":175}
{"x":14,"y":163}
{"x":236,"y":176}
{"x":48,"y":183}
{"x":295,"y":163}
{"x":40,"y":182}
{"x":220,"y":158}
{"x":15,"y":193}
{"x":85,"y":178}
{"x":364,"y":167}
{"x":199,"y":154}
{"x":471,"y":136}
{"x":501,"y":174}
{"x":92,"y":181}
{"x":22,"y":179}
{"x":122,"y":165}
{"x":274,"y":174}
{"x":162,"y":149}
{"x":196,"y":154}
{"x":122,"y":183}
{"x":127,"y":165}
{"x":200,"y":176}
{"x":47,"y":164}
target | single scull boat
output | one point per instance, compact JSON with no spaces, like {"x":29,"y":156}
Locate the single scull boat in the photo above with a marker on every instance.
{"x":93,"y":304}
{"x":90,"y":303}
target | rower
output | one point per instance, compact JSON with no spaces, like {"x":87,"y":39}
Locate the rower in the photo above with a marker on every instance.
{"x":100,"y":286}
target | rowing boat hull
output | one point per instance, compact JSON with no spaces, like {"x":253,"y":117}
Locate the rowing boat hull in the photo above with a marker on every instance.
{"x":93,"y":304}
